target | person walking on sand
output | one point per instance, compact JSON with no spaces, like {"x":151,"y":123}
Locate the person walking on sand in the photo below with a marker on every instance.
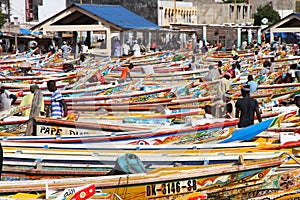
{"x":246,"y":107}
{"x":58,"y":105}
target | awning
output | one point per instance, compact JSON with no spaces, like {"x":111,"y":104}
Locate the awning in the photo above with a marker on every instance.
{"x":25,"y":31}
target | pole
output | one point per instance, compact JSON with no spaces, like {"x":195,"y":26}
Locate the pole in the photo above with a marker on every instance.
{"x":234,"y":12}
{"x":91,"y":1}
{"x":174,"y":11}
{"x":16,"y":42}
{"x":80,"y":35}
{"x":8,"y":13}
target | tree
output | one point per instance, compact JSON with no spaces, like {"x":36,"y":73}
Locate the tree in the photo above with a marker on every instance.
{"x":2,"y":19}
{"x":268,"y":12}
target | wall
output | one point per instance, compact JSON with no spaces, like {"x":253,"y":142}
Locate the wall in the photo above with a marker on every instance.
{"x":222,"y":13}
{"x":145,"y":8}
{"x":50,"y":8}
{"x":17,"y":8}
{"x":186,"y":13}
{"x":278,"y":5}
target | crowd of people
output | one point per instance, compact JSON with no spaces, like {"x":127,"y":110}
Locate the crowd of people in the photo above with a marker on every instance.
{"x":246,"y":108}
{"x":58,"y":108}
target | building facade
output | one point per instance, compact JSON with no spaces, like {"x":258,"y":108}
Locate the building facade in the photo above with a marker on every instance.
{"x":283,"y":7}
{"x":31,"y":11}
{"x":179,"y":13}
{"x":221,"y":13}
{"x":160,"y":12}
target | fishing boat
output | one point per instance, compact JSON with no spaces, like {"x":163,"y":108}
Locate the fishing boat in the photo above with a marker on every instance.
{"x":160,"y":182}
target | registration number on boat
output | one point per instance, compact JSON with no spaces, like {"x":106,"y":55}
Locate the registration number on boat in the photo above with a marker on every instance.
{"x":170,"y":188}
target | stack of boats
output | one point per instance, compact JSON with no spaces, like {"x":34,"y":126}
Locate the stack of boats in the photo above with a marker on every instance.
{"x":147,"y":138}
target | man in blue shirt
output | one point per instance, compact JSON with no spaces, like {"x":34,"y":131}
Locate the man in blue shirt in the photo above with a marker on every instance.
{"x":252,"y":84}
{"x":58,"y":106}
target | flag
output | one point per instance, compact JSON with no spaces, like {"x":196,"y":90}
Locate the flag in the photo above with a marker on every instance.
{"x":79,"y":193}
{"x":83,"y":193}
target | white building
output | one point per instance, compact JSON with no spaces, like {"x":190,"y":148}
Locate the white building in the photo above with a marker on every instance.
{"x":50,"y":8}
{"x":17,"y":10}
{"x":184,"y":12}
{"x":31,"y":11}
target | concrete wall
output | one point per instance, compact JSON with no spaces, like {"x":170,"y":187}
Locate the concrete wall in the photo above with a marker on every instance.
{"x":223,"y":13}
{"x":278,"y":5}
{"x":145,"y":8}
{"x":201,"y":1}
{"x":17,"y":8}
{"x":50,"y":8}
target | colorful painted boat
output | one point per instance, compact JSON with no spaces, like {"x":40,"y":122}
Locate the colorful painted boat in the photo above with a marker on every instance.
{"x":160,"y":182}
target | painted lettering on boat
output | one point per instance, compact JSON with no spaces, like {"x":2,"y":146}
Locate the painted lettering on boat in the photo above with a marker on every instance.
{"x":52,"y":130}
{"x":258,"y":193}
{"x":241,"y":194}
{"x":171,"y":188}
{"x":69,"y":192}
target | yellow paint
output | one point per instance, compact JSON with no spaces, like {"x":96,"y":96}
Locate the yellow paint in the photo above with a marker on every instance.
{"x":27,"y":196}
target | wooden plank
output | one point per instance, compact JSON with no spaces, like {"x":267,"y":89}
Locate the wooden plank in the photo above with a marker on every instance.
{"x":35,"y":110}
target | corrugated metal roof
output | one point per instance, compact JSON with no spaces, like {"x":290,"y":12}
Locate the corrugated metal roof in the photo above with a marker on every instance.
{"x":297,"y":14}
{"x":119,"y":16}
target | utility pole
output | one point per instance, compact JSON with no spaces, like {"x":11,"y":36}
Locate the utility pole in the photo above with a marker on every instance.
{"x":8,"y":13}
{"x":234,"y":12}
{"x":174,"y":11}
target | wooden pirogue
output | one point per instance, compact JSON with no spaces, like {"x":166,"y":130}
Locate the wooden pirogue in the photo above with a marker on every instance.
{"x":162,"y":182}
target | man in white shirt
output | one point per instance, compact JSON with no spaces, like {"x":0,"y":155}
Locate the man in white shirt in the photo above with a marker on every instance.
{"x":137,"y":49}
{"x":126,"y":49}
{"x":6,"y":99}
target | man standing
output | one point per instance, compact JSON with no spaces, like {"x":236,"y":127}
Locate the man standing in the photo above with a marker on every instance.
{"x":65,"y":50}
{"x":58,"y":106}
{"x":6,"y":99}
{"x":126,"y":49}
{"x":137,"y":49}
{"x":251,"y":83}
{"x":246,"y":107}
{"x":230,"y":105}
{"x":213,"y":73}
{"x":224,"y":85}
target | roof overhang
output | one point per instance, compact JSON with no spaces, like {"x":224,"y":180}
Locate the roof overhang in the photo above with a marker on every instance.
{"x":289,"y":24}
{"x":72,"y":19}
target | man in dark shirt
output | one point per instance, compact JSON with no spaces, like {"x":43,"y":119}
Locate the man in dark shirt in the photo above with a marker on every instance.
{"x":245,"y":109}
